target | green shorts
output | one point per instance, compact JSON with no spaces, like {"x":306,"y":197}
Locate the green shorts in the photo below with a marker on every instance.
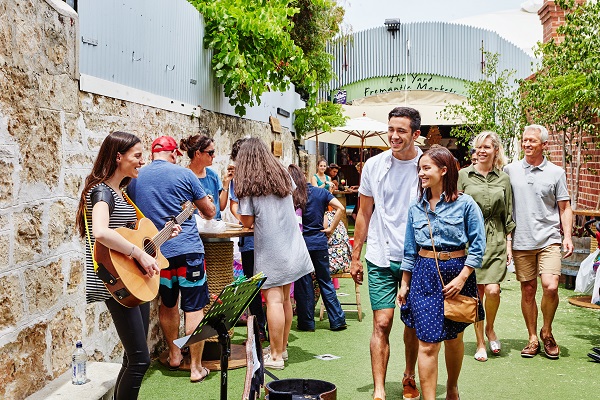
{"x":383,"y":284}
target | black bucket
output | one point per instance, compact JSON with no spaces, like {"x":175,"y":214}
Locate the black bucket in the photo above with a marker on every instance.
{"x":292,"y":389}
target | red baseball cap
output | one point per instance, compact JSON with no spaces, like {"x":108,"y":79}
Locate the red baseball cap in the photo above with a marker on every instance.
{"x":165,"y":143}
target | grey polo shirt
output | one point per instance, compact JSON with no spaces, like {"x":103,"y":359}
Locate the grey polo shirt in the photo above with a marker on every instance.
{"x":536,"y":193}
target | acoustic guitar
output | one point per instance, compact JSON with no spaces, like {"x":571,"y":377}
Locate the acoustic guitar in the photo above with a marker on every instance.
{"x":126,"y":280}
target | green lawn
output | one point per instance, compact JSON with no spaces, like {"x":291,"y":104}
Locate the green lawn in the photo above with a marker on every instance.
{"x":508,"y":376}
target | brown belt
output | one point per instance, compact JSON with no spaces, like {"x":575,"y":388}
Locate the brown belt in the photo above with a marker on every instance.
{"x":442,"y":255}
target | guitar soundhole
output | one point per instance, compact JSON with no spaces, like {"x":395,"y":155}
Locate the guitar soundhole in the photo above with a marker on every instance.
{"x":150,"y":247}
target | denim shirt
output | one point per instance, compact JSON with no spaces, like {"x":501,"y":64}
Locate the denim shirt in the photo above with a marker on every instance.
{"x":455,"y":224}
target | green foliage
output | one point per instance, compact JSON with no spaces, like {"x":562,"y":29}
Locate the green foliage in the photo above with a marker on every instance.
{"x":564,"y":95}
{"x":324,"y":116}
{"x":492,"y":104}
{"x":256,"y":49}
{"x":316,"y":23}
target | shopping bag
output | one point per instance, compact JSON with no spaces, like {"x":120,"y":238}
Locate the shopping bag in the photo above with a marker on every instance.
{"x":596,"y":291}
{"x":586,"y":277}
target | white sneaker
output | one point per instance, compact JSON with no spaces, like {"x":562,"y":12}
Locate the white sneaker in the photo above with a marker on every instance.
{"x":267,"y":350}
{"x":272,"y":364}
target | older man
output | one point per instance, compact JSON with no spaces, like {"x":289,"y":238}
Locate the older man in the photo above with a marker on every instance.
{"x":541,"y":205}
{"x":388,"y":184}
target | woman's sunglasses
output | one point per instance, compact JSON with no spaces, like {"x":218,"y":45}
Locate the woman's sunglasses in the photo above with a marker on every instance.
{"x":210,"y":152}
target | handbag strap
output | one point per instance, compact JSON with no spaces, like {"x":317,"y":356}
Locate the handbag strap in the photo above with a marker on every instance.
{"x":433,"y":245}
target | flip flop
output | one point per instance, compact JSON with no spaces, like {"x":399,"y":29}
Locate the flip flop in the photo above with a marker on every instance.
{"x":173,"y":367}
{"x":495,"y":347}
{"x":481,"y":355}
{"x":202,"y":378}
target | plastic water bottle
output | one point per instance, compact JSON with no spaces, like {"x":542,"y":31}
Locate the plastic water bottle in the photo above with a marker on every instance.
{"x":78,"y":365}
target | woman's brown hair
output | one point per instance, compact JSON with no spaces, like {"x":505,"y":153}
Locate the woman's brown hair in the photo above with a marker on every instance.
{"x":442,"y":157}
{"x":194,"y":143}
{"x":300,"y":194}
{"x":259,"y":173}
{"x":105,"y":167}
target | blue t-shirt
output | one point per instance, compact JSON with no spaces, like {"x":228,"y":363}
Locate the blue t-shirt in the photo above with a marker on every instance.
{"x":312,"y":217}
{"x":159,"y":191}
{"x":212,"y":185}
{"x":245,"y":243}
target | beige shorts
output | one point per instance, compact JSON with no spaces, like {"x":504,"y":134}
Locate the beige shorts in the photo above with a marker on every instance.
{"x":531,"y":263}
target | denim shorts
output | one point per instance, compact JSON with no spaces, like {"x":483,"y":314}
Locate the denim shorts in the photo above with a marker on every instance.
{"x":383,"y":284}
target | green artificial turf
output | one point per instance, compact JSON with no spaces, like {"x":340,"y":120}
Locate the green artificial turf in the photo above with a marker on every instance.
{"x":507,"y":376}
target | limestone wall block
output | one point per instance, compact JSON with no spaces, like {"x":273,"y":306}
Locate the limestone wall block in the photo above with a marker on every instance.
{"x":28,"y":234}
{"x":11,"y":301}
{"x":27,"y":36}
{"x":75,"y":275}
{"x":43,"y":286}
{"x":65,"y":330}
{"x":6,"y":181}
{"x":104,"y":321}
{"x":96,"y":356}
{"x":58,"y":92}
{"x":61,"y":224}
{"x":90,"y":319}
{"x":116,"y":355}
{"x":41,"y":162}
{"x":72,"y":128}
{"x":73,"y":185}
{"x":22,"y":365}
{"x":4,"y":250}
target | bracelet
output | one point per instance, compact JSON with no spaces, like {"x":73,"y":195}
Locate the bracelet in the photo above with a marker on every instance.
{"x":132,"y":250}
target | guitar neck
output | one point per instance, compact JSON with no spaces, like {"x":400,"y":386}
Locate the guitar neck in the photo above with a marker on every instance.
{"x":165,"y":233}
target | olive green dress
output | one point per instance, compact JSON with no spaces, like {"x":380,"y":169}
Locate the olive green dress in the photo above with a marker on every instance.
{"x":493,"y":194}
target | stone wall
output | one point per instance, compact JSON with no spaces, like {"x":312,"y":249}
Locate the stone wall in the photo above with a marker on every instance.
{"x":49,"y":135}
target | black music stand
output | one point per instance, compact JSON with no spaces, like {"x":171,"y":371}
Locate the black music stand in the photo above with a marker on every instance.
{"x":222,"y":316}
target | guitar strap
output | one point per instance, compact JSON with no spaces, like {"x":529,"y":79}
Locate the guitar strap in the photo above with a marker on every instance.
{"x":138,"y":213}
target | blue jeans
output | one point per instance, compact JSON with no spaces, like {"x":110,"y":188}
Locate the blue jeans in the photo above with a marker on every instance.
{"x":305,"y":296}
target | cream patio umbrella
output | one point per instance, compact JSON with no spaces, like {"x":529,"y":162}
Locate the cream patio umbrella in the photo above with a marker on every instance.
{"x":358,"y":132}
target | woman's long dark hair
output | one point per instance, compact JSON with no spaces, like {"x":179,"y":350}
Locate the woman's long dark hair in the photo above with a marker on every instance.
{"x":442,"y":157}
{"x":300,"y":194}
{"x":193,"y":143}
{"x":259,"y":173}
{"x":105,"y":167}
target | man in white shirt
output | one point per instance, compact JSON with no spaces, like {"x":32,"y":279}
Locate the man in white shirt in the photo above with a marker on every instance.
{"x":388,"y":183}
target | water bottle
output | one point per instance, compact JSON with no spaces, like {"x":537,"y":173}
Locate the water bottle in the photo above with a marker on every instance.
{"x":78,"y":365}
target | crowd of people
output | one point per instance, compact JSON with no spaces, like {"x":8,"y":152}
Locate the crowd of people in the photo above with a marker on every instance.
{"x":434,"y":232}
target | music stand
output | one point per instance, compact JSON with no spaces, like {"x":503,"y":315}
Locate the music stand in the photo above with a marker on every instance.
{"x":222,"y":316}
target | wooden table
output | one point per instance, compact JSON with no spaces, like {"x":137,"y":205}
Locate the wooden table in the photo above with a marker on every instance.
{"x":341,"y":196}
{"x":587,"y":213}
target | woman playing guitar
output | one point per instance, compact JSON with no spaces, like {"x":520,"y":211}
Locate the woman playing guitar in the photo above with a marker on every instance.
{"x":102,"y":208}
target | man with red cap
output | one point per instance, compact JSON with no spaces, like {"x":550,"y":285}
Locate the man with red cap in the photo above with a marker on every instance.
{"x":159,"y":191}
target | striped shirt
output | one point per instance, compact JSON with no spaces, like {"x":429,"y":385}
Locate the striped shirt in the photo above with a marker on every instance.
{"x":123,"y":214}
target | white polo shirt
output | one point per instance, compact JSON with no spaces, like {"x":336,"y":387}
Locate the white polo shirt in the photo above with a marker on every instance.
{"x":536,"y":193}
{"x":392,"y":184}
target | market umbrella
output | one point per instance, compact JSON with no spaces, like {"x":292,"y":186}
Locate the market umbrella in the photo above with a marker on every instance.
{"x":358,"y":132}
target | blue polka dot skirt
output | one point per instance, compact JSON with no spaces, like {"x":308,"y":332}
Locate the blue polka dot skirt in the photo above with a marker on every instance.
{"x":424,"y":308}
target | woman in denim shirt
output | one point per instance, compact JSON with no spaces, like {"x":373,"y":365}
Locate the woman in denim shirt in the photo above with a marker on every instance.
{"x":456,"y":222}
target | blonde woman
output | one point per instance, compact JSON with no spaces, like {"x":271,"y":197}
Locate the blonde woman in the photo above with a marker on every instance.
{"x":490,"y":187}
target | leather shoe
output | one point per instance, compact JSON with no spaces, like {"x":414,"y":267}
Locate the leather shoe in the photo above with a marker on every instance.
{"x":531,"y":349}
{"x":550,"y":347}
{"x":594,"y":356}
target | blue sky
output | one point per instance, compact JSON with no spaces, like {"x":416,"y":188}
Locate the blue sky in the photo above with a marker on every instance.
{"x":364,"y":14}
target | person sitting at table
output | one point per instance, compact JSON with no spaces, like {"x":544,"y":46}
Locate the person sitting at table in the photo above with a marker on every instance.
{"x":159,"y":191}
{"x":201,"y":151}
{"x":264,"y":189}
{"x":315,"y":202}
{"x":332,"y":172}
{"x":320,"y":179}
